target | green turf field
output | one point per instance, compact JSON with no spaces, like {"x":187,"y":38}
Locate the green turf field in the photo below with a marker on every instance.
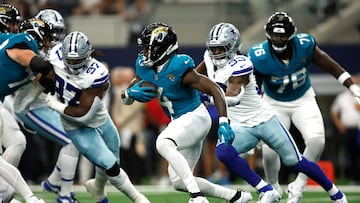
{"x":167,"y":195}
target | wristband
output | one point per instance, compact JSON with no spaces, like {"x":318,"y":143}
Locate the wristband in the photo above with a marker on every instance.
{"x":223,"y":120}
{"x":58,"y":106}
{"x":354,"y":89}
{"x":343,"y":76}
{"x":126,"y":94}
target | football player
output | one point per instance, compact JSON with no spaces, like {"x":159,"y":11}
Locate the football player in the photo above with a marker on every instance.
{"x":281,"y":66}
{"x":82,"y":82}
{"x":251,"y":117}
{"x":180,"y":143}
{"x":37,"y":116}
{"x":19,"y":62}
{"x":13,"y":144}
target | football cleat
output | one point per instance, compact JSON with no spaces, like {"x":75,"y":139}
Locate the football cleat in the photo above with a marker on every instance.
{"x":98,"y":193}
{"x":47,"y":186}
{"x":66,"y":199}
{"x":7,"y":195}
{"x":141,"y":199}
{"x":105,"y":200}
{"x":198,"y":199}
{"x":269,"y":196}
{"x":294,"y":195}
{"x":339,"y":198}
{"x":34,"y":199}
{"x":15,"y":201}
{"x":241,"y":197}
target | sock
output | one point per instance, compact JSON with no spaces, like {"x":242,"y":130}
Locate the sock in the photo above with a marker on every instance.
{"x":69,"y":164}
{"x":237,"y":165}
{"x":313,"y":170}
{"x":123,"y":183}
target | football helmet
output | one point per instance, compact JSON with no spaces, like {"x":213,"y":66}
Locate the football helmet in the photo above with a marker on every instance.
{"x":76,"y":51}
{"x":159,"y":41}
{"x":8,"y":14}
{"x":223,"y":43}
{"x":56,"y":20}
{"x":39,"y":29}
{"x":280,"y":29}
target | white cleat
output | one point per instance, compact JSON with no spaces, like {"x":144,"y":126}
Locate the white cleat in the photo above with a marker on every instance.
{"x":294,"y":195}
{"x":198,"y":199}
{"x":243,"y":197}
{"x":269,"y":196}
{"x":98,"y":193}
{"x":7,"y":195}
{"x":34,"y":199}
{"x":14,"y":201}
{"x":278,"y":188}
{"x":141,"y":199}
{"x":343,"y":199}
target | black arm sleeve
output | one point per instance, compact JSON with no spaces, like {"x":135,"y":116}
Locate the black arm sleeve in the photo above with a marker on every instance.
{"x":37,"y":64}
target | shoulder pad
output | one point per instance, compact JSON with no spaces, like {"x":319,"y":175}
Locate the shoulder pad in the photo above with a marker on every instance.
{"x":305,"y":40}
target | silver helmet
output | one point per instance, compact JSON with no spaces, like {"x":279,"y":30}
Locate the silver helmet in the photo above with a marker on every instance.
{"x":76,"y":52}
{"x":56,"y":20}
{"x":223,"y":43}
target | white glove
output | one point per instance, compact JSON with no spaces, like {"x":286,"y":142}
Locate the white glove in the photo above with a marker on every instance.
{"x":53,"y":103}
{"x":355,"y":89}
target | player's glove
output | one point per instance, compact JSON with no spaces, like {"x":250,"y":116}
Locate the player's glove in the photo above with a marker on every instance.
{"x":139,"y":93}
{"x":205,"y":98}
{"x":225,"y":133}
{"x":48,"y":83}
{"x":355,"y":89}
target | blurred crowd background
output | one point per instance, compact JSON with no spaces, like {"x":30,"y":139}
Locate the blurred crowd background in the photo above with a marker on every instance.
{"x":113,"y":26}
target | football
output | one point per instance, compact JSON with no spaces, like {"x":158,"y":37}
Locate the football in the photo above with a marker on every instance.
{"x":149,"y":84}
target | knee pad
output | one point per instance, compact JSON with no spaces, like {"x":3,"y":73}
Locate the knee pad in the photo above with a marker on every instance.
{"x":113,"y":171}
{"x":314,"y":148}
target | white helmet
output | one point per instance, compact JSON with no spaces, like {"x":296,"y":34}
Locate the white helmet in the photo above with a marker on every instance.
{"x":56,"y":20}
{"x":226,"y":37}
{"x":76,"y":51}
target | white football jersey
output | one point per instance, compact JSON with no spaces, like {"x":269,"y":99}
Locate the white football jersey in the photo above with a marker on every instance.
{"x":69,"y":88}
{"x":252,"y":109}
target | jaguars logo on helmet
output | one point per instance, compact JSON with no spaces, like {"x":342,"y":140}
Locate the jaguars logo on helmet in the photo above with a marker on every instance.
{"x":159,"y":41}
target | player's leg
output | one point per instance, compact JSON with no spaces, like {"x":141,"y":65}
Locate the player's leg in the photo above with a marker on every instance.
{"x":101,"y":147}
{"x":184,"y":132}
{"x":270,"y":158}
{"x":13,"y":177}
{"x":13,"y":142}
{"x":245,"y":140}
{"x":308,"y":120}
{"x":47,"y":123}
{"x":208,"y":188}
{"x":291,"y":157}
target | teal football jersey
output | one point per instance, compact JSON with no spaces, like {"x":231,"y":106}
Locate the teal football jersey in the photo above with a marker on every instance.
{"x":13,"y":74}
{"x":285,"y":82}
{"x":174,"y":98}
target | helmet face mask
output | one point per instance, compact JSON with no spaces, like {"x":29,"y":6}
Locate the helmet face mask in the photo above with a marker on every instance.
{"x":9,"y":18}
{"x":56,"y":20}
{"x":279,"y":30}
{"x":40,"y":30}
{"x":223,"y":43}
{"x":159,"y":41}
{"x":76,"y":52}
